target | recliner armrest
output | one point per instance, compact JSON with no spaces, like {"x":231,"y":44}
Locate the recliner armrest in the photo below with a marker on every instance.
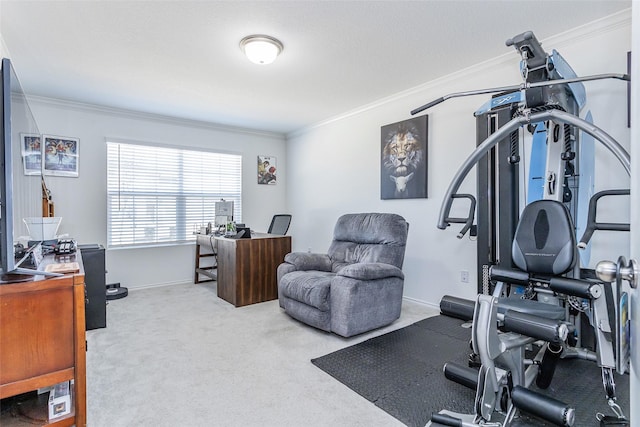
{"x":307,"y":261}
{"x":370,"y":271}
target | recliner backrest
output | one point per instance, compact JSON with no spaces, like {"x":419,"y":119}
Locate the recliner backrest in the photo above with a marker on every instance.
{"x":545,"y":241}
{"x":368,"y":237}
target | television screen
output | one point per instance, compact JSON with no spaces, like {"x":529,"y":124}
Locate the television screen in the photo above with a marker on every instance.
{"x":20,"y":168}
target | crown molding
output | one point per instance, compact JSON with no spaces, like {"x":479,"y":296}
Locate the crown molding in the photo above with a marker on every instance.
{"x":593,"y":29}
{"x":132,"y":114}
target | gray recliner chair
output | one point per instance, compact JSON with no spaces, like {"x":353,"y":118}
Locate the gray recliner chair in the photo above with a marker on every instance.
{"x":357,"y":286}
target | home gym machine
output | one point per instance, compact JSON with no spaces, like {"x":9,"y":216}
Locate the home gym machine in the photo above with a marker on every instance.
{"x":547,"y":103}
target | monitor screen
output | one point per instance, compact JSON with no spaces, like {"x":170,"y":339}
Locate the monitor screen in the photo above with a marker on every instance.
{"x":223,"y":213}
{"x":224,"y":208}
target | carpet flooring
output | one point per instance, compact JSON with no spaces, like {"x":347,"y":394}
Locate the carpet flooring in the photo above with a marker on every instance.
{"x":179,"y":356}
{"x":401,"y":373}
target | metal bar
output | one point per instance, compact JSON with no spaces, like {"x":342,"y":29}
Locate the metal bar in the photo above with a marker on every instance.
{"x":556,"y":115}
{"x":521,"y":86}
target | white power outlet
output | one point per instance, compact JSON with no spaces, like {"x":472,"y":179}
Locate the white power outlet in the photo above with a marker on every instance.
{"x":464,"y":276}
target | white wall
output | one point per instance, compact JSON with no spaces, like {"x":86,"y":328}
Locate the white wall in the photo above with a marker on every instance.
{"x":82,"y":201}
{"x":345,"y":172}
{"x":4,"y":53}
{"x":3,"y":48}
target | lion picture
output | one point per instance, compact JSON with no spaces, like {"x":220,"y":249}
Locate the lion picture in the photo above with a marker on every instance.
{"x":403,"y":165}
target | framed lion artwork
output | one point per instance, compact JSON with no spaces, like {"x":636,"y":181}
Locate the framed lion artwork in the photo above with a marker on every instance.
{"x":403,"y":159}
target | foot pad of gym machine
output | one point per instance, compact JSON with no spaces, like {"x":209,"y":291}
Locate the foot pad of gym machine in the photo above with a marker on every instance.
{"x":463,"y":375}
{"x":449,"y":418}
{"x":542,"y":406}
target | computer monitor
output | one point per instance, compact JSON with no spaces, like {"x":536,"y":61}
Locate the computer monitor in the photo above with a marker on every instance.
{"x":223,"y":213}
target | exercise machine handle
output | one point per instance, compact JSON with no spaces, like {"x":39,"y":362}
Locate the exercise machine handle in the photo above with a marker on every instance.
{"x":593,"y":224}
{"x":468,"y":220}
{"x":556,"y":115}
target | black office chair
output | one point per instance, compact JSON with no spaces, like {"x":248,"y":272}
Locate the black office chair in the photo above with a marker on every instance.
{"x":280,"y":224}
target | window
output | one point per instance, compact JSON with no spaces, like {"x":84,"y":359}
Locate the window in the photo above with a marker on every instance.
{"x":160,"y":195}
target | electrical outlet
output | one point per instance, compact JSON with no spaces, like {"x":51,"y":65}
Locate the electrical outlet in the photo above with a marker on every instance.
{"x":464,"y":276}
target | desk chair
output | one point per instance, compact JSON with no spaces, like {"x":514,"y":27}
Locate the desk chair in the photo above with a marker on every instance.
{"x":280,"y":224}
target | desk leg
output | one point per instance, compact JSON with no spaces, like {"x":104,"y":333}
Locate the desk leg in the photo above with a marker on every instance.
{"x":207,"y":271}
{"x":197,"y":266}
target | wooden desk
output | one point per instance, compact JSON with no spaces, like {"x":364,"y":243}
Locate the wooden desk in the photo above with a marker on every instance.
{"x":42,"y":338}
{"x":247,"y":267}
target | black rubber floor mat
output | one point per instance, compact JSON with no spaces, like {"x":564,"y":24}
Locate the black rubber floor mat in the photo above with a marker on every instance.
{"x":401,"y":372}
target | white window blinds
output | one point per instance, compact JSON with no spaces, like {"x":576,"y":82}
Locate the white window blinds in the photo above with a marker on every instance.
{"x":160,"y":195}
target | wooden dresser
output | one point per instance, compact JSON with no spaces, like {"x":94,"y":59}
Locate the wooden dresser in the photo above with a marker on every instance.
{"x":42,"y":338}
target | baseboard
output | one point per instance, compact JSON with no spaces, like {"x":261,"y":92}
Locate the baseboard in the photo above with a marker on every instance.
{"x":158,"y":285}
{"x":425,"y":303}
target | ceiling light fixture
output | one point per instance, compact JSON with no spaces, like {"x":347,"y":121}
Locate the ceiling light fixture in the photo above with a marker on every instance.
{"x":261,"y":49}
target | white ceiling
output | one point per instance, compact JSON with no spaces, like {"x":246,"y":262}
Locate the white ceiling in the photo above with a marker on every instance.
{"x":182,"y":59}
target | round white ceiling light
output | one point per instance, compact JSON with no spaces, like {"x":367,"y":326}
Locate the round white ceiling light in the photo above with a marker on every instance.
{"x":261,"y":49}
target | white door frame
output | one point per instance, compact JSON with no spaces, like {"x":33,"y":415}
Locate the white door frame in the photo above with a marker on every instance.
{"x":634,"y":148}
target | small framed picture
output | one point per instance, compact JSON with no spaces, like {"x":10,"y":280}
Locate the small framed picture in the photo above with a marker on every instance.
{"x":267,"y":169}
{"x":61,"y":155}
{"x":31,"y":153}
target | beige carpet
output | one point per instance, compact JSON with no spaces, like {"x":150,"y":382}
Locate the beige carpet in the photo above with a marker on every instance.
{"x":180,"y":356}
